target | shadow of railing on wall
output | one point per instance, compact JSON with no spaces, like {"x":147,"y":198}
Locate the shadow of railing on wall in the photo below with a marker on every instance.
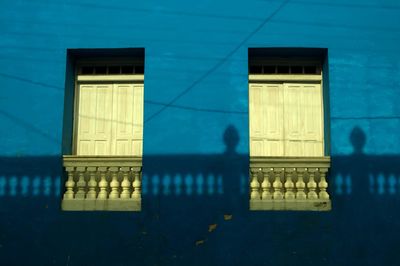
{"x":194,"y":175}
{"x":203,"y":175}
{"x":366,"y":174}
{"x":32,"y":176}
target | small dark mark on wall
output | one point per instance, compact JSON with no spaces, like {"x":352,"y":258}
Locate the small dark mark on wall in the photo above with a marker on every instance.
{"x":212,"y":227}
{"x":228,"y":217}
{"x":320,"y":204}
{"x":200,"y":242}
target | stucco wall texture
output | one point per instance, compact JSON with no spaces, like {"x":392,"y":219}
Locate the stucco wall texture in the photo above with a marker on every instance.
{"x":196,"y":86}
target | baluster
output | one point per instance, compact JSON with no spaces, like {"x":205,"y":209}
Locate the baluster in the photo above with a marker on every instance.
{"x":277,"y":185}
{"x":69,"y":194}
{"x":103,"y":184}
{"x":323,"y":185}
{"x":126,"y":184}
{"x":289,"y":185}
{"x":312,"y":185}
{"x":266,"y":184}
{"x":81,"y":184}
{"x":136,"y":183}
{"x":92,"y":183}
{"x":114,"y":194}
{"x":255,"y":185}
{"x":300,"y":185}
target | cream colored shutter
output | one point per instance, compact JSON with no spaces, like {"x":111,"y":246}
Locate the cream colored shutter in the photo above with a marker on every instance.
{"x":313,"y":120}
{"x":303,"y":119}
{"x":256,"y":120}
{"x":94,"y":119}
{"x":266,"y":119}
{"x":138,"y":102}
{"x":293,"y":114}
{"x":110,"y":119}
{"x":127,"y":119}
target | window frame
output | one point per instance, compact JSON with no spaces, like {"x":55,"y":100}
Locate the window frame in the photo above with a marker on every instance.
{"x":106,"y":78}
{"x":276,"y":181}
{"x":293,"y":78}
{"x":99,"y":183}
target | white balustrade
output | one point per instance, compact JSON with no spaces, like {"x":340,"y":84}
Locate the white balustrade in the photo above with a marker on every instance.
{"x":300,"y":185}
{"x":254,"y":185}
{"x":266,"y":184}
{"x":323,"y":185}
{"x":126,"y":183}
{"x":136,"y":184}
{"x":277,"y":185}
{"x":289,"y":183}
{"x":102,"y":183}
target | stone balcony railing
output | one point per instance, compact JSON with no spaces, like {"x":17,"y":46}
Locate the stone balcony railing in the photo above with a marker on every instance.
{"x":291,"y":183}
{"x":102,"y":183}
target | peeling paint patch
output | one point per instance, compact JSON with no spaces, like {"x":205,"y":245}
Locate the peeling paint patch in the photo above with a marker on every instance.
{"x":212,"y":227}
{"x":228,"y":217}
{"x":200,"y":242}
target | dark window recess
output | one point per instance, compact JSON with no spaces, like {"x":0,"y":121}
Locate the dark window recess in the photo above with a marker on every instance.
{"x":269,"y":69}
{"x":139,"y":69}
{"x":111,"y":70}
{"x":296,"y":69}
{"x":256,"y":69}
{"x":283,"y":69}
{"x":127,"y":70}
{"x":273,"y":69}
{"x":87,"y":70}
{"x":310,"y":70}
{"x":114,"y":70}
{"x":100,"y":70}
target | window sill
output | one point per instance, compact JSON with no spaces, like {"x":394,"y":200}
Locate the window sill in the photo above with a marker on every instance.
{"x":102,"y":183}
{"x":289,"y":183}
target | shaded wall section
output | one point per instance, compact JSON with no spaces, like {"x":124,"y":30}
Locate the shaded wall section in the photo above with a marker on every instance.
{"x":195,"y":212}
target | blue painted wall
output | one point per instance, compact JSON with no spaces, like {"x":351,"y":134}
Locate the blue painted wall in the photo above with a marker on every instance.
{"x":200,"y":50}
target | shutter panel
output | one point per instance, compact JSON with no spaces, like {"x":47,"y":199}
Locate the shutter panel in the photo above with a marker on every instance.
{"x":110,"y":119}
{"x":94,"y":119}
{"x":122,"y":142}
{"x":293,"y":116}
{"x":138,"y":102}
{"x":256,"y":120}
{"x":266,"y":120}
{"x":128,"y":119}
{"x":313,"y":120}
{"x":273,"y":122}
{"x":303,"y":119}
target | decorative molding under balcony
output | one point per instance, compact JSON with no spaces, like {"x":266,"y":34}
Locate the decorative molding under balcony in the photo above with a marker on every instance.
{"x":289,"y":183}
{"x":102,"y":183}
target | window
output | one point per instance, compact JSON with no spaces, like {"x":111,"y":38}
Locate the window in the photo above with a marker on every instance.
{"x":104,"y":168}
{"x":109,"y":112}
{"x":288,"y":148}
